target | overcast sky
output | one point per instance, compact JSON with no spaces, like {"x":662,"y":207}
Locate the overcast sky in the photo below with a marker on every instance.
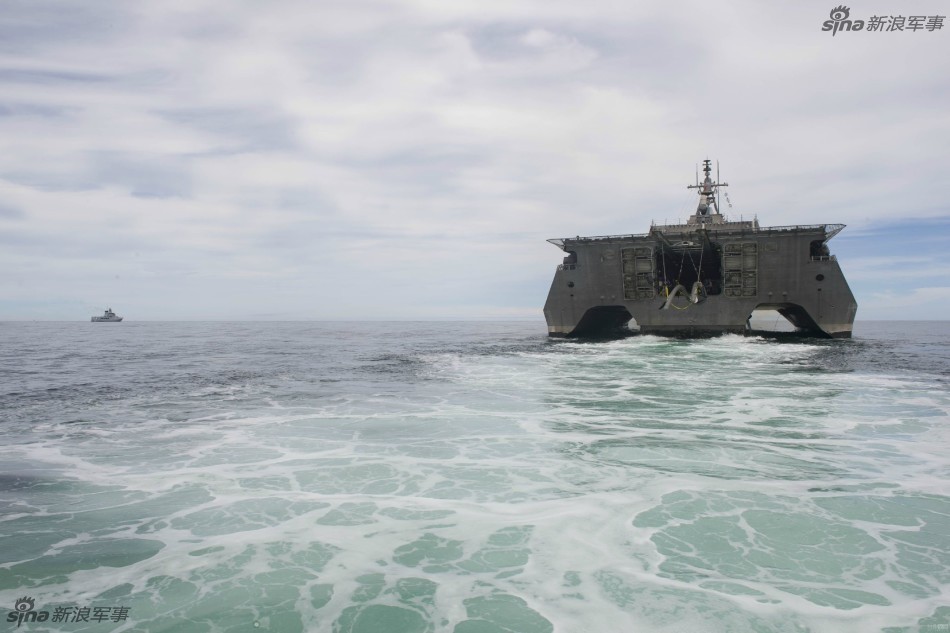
{"x":210,"y":159}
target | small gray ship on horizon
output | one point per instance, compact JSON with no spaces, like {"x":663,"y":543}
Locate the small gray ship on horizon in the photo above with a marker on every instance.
{"x":701,"y":278}
{"x":108,"y":317}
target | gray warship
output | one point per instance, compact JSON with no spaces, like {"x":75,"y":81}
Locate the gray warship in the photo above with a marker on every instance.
{"x":108,"y":317}
{"x":701,"y":278}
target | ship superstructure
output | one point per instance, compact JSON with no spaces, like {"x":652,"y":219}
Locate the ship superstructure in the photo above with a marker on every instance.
{"x":703,"y":277}
{"x":108,"y":317}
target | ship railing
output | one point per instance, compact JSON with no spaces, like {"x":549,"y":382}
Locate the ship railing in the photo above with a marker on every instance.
{"x":559,"y":242}
{"x":830,"y":230}
{"x":567,"y":266}
{"x":824,"y":258}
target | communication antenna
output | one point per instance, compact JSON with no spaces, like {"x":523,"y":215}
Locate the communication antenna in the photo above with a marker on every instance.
{"x":718,"y":208}
{"x":708,"y":191}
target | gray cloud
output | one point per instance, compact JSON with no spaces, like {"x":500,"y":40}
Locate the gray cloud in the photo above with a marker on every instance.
{"x":333,"y":157}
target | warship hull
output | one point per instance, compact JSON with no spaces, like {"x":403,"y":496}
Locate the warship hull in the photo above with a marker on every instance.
{"x":702,"y":278}
{"x":108,"y":317}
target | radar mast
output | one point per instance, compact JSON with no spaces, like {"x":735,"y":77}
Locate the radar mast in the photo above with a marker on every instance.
{"x":707,"y":190}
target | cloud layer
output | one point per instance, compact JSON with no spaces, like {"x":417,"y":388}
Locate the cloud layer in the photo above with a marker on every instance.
{"x":232,"y":160}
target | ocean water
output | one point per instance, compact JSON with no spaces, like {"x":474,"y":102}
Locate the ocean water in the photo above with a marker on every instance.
{"x":471,"y":478}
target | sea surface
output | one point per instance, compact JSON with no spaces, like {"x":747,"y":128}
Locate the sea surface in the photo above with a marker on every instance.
{"x":471,"y":478}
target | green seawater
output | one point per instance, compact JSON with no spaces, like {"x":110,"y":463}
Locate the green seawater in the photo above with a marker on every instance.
{"x":471,"y":478}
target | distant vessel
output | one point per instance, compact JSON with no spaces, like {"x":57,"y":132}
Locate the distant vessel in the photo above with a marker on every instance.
{"x":704,"y":277}
{"x":108,"y":317}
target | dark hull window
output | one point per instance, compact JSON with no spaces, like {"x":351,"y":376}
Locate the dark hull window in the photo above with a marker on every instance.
{"x":687,"y":265}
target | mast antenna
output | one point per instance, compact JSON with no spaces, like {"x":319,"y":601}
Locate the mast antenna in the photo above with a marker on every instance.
{"x":718,"y":208}
{"x":709,"y":190}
